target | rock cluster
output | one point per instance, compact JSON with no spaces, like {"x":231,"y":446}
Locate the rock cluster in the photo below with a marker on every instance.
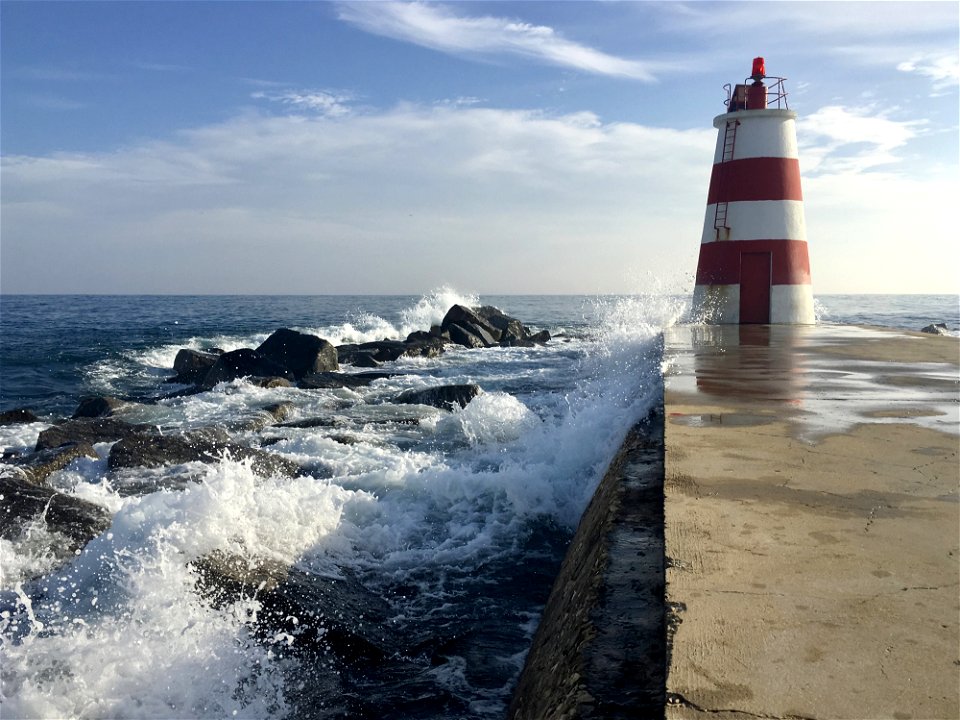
{"x":285,"y":358}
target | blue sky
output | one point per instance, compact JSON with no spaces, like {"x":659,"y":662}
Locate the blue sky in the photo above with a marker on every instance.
{"x":495,"y":147}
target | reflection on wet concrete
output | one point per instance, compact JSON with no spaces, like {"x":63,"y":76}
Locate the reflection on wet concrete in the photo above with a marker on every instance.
{"x":823,"y":379}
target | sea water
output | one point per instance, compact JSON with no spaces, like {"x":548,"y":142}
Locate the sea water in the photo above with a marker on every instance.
{"x":451,"y":524}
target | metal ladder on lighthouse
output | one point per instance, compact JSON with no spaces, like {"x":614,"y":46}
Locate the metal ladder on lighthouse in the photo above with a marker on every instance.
{"x":729,"y":141}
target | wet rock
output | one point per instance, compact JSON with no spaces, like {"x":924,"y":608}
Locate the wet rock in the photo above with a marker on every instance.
{"x":271,"y":382}
{"x":93,"y":407}
{"x":38,"y":466}
{"x":466,"y":327}
{"x":938,"y":329}
{"x":192,"y":365}
{"x":207,"y":447}
{"x":424,"y":347}
{"x":313,"y":423}
{"x":321,"y":614}
{"x":300,"y":353}
{"x":92,"y":431}
{"x":23,"y":502}
{"x":243,"y":363}
{"x":18,"y":416}
{"x":365,"y":359}
{"x":334,"y":380}
{"x":265,"y":417}
{"x":384,"y":350}
{"x":510,"y":328}
{"x":445,"y":396}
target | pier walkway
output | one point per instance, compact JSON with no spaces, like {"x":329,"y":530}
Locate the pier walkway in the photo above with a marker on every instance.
{"x":811,"y":523}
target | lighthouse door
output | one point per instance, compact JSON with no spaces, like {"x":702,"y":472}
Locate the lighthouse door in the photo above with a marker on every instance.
{"x":754,"y":288}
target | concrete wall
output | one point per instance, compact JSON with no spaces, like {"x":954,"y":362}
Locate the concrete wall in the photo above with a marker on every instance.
{"x":600,"y":649}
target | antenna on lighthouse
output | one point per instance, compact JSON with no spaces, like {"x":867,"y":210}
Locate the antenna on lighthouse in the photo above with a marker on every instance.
{"x":754,"y":265}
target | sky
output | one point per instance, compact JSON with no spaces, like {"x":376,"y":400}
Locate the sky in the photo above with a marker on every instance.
{"x":489,"y":147}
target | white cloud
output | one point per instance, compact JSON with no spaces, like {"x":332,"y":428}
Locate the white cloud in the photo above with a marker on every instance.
{"x":436,"y":26}
{"x":839,"y":139}
{"x":395,"y":201}
{"x":837,"y":20}
{"x":321,"y":102}
{"x":943,"y":70}
{"x":406,"y":199}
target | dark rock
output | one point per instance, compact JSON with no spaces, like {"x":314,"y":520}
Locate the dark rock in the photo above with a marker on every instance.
{"x":300,"y":353}
{"x":467,"y":337}
{"x":38,"y":466}
{"x":469,"y":320}
{"x":270,"y":382}
{"x":85,"y":430}
{"x":540,"y":338}
{"x":318,"y":611}
{"x":157,"y":451}
{"x":384,"y":350}
{"x":334,"y":380}
{"x":23,"y":502}
{"x":265,"y":417}
{"x":425,"y":347}
{"x":93,"y":407}
{"x":938,"y":329}
{"x":365,"y":359}
{"x":18,"y":416}
{"x":312,"y":423}
{"x":445,"y":396}
{"x":192,"y":365}
{"x":510,"y":328}
{"x":419,"y":336}
{"x":243,"y":363}
{"x":346,"y":352}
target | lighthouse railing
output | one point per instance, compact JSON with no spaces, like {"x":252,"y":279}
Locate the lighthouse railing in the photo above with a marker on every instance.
{"x":776,"y":94}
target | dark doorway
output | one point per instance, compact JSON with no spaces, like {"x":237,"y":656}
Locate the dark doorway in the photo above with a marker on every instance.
{"x":754,"y":288}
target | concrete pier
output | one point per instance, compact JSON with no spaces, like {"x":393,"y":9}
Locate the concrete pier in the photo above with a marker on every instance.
{"x":798,"y":493}
{"x":812,"y":523}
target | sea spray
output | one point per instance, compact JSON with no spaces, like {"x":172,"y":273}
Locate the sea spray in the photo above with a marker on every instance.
{"x":455,"y":520}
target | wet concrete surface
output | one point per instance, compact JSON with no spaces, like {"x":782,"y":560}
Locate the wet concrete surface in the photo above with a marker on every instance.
{"x":812,"y":522}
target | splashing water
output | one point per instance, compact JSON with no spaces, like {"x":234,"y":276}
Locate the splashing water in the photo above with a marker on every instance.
{"x":451,"y":523}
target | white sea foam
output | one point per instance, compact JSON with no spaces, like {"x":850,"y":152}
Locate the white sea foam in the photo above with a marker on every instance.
{"x":410,"y":495}
{"x":125,"y":632}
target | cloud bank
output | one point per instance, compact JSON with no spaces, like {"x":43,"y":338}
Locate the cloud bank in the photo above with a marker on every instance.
{"x":405,"y":199}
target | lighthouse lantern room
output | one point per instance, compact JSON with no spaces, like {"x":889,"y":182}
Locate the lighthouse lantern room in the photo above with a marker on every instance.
{"x":754,"y":266}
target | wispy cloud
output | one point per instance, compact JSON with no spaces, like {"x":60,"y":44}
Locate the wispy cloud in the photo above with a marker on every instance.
{"x":439,"y":27}
{"x":943,"y":70}
{"x":320,"y":102}
{"x":841,"y":139}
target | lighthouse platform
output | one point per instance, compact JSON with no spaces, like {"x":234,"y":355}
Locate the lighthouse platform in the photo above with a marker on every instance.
{"x":811,"y":522}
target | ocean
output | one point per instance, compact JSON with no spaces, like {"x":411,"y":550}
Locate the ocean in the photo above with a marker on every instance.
{"x":429,"y":537}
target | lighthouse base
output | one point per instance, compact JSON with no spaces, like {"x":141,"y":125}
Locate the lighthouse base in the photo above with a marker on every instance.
{"x":723,"y":304}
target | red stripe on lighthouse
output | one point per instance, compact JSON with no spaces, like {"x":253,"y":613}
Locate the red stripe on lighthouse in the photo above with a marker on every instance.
{"x":760,"y":178}
{"x":720,"y":261}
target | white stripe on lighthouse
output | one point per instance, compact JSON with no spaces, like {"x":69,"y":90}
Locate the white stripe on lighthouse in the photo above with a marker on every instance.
{"x":759,"y":220}
{"x":791,"y":304}
{"x":772,"y":134}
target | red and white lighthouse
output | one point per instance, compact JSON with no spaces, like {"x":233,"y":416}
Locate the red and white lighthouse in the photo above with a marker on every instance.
{"x":754,"y":266}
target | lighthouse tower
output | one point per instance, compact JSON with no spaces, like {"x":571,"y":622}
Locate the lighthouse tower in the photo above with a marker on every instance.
{"x":754,"y":266}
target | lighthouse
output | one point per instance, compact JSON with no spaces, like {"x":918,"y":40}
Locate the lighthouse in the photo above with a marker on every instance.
{"x":754,"y":266}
